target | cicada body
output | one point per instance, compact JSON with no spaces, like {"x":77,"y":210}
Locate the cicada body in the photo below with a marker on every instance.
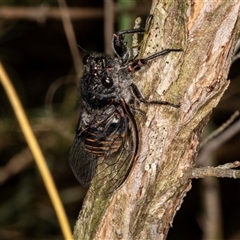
{"x":106,"y":141}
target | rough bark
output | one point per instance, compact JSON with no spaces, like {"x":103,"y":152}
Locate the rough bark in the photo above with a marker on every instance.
{"x":144,"y":207}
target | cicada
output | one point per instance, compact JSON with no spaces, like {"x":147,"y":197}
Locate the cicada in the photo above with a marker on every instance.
{"x":106,"y":142}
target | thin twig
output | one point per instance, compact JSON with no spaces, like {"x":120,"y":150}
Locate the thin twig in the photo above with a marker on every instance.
{"x":218,"y":141}
{"x":68,"y":28}
{"x":16,"y":165}
{"x":236,"y":54}
{"x":108,"y":25}
{"x":211,"y":223}
{"x":37,"y":153}
{"x":52,"y":127}
{"x":220,"y":129}
{"x":223,"y":171}
{"x":44,"y":12}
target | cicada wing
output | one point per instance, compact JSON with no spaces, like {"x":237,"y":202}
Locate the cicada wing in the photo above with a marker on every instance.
{"x":105,"y":148}
{"x":83,"y":163}
{"x":112,"y":170}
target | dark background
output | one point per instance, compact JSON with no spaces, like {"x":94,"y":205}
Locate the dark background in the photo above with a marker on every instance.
{"x":37,"y":57}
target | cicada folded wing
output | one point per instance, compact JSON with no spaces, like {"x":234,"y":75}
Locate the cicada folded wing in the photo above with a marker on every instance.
{"x":105,"y":149}
{"x":83,"y":163}
{"x":113,"y":169}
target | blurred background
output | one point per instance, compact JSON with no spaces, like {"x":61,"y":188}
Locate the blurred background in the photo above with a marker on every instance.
{"x":36,"y":52}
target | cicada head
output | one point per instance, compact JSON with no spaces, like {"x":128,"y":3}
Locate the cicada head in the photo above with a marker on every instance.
{"x":97,"y":84}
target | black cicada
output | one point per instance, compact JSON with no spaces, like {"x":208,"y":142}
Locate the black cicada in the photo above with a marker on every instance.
{"x":106,"y":140}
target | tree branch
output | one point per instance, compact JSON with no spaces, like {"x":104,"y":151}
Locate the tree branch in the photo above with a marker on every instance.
{"x":144,"y":207}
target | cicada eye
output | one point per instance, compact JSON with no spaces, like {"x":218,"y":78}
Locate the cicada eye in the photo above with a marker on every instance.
{"x":107,"y":82}
{"x":86,"y":59}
